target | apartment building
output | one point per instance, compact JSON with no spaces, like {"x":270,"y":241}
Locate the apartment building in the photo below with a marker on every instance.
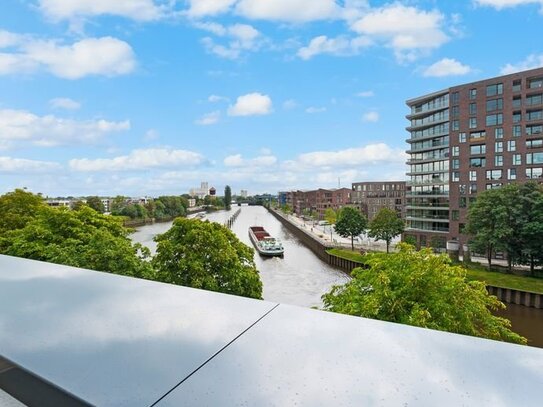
{"x":467,"y":139}
{"x":318,"y":200}
{"x":370,"y":197}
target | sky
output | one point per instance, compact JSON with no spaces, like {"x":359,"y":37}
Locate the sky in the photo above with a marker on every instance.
{"x":151,"y":97}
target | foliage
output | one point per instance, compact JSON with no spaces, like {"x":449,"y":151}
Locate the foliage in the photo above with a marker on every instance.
{"x":386,"y":225}
{"x":95,"y":203}
{"x":286,"y":209}
{"x":421,"y":289}
{"x":208,"y":256}
{"x":227,"y":197}
{"x":330,"y":216}
{"x":82,"y":238}
{"x":410,"y":239}
{"x":350,"y":223}
{"x":17,"y":208}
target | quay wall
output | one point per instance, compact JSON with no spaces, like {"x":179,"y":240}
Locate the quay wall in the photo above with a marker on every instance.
{"x":506,"y":295}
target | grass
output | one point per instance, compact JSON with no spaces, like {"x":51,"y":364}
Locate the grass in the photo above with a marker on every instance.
{"x":474,"y":272}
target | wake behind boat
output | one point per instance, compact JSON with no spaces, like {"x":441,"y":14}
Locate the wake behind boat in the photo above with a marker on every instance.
{"x":265,"y":244}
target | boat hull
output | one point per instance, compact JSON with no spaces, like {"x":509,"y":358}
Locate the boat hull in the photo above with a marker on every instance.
{"x":262,"y":251}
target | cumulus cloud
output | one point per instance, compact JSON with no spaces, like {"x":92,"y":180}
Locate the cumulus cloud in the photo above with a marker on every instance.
{"x":261,"y":161}
{"x":139,"y":160}
{"x":313,"y":110}
{"x":106,"y":56}
{"x":217,"y":98}
{"x":407,"y":30}
{"x":9,"y":39}
{"x":447,"y":67}
{"x":334,"y":46}
{"x":252,"y":104}
{"x":240,"y":37}
{"x":290,"y":104}
{"x":370,"y":154}
{"x":370,"y":117}
{"x":209,"y":118}
{"x":531,"y":62}
{"x":64,"y":103}
{"x":19,"y":127}
{"x":20,"y":165}
{"x":201,"y":8}
{"x":501,"y":4}
{"x":289,"y":10}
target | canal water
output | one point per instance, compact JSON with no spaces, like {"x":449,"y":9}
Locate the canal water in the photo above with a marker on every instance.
{"x":300,"y":278}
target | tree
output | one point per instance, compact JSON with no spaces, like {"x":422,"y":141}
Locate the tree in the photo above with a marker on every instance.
{"x":330,"y":216}
{"x":421,"y":289}
{"x":227,"y":197}
{"x":531,"y":201}
{"x":386,"y":225}
{"x":350,"y":223}
{"x":82,"y":238}
{"x":206,"y":255}
{"x":17,"y":208}
{"x":95,"y":203}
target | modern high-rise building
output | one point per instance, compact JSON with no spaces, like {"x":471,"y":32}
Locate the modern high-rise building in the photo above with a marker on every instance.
{"x":467,"y":139}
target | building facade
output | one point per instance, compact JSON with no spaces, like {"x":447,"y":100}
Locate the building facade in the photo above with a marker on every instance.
{"x":318,"y":200}
{"x":370,"y":197}
{"x":467,"y":139}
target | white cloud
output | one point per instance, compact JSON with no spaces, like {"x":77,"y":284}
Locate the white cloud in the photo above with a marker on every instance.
{"x":22,"y":127}
{"x":9,"y":39}
{"x":334,"y":46}
{"x":201,"y":8}
{"x":370,"y":154}
{"x":531,"y":62}
{"x":252,"y":104}
{"x":290,"y":104}
{"x":241,"y":37}
{"x":447,"y":67}
{"x":370,"y":117}
{"x":209,"y":118}
{"x":20,"y":165}
{"x":64,"y":103}
{"x":217,"y":98}
{"x":289,"y":10}
{"x":238,"y":161}
{"x":151,"y":135}
{"x":141,"y":10}
{"x":365,"y":94}
{"x":106,"y":56}
{"x":407,"y":30}
{"x":313,"y":110}
{"x":139,"y":160}
{"x":501,"y":4}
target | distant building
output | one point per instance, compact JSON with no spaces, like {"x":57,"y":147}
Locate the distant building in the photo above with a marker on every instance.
{"x":212,"y":191}
{"x":282,"y":198}
{"x":192,"y":202}
{"x":201,"y":192}
{"x":244,"y":193}
{"x":66,"y":203}
{"x":370,"y":197}
{"x":318,"y":200}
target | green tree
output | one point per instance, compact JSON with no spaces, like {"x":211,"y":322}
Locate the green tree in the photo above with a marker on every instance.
{"x":421,"y":289}
{"x":82,"y":238}
{"x":350,"y":223}
{"x":95,"y":203}
{"x":206,"y":255}
{"x":531,"y":201}
{"x":386,"y":225}
{"x":17,"y":208}
{"x":287,"y":209}
{"x":330,"y":216}
{"x":227,"y":197}
{"x":117,"y":204}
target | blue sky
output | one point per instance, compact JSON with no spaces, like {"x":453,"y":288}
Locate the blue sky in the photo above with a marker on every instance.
{"x":149,"y":97}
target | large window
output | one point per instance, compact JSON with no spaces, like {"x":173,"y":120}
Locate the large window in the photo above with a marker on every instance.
{"x":517,"y":117}
{"x":498,"y":160}
{"x":534,"y":129}
{"x":534,"y":158}
{"x":455,"y":164}
{"x":517,"y":159}
{"x":517,"y":85}
{"x":477,"y":149}
{"x":534,"y":99}
{"x":534,"y":115}
{"x":477,"y":135}
{"x":494,"y":119}
{"x":491,"y":105}
{"x":473,"y":175}
{"x":494,"y":174}
{"x":537,"y":143}
{"x":472,"y":93}
{"x":455,"y":151}
{"x":535,"y":83}
{"x":498,"y":132}
{"x":473,"y":109}
{"x":496,"y":89}
{"x":512,"y":173}
{"x":517,"y":101}
{"x":472,"y":122}
{"x":477,"y":162}
{"x":511,"y":145}
{"x":534,"y":173}
{"x":498,"y":147}
{"x":517,"y":130}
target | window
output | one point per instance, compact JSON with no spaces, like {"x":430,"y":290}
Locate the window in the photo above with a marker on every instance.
{"x":493,"y":186}
{"x":462,"y":202}
{"x":496,"y":89}
{"x":498,"y":132}
{"x":512,"y":145}
{"x":462,"y":137}
{"x":517,"y":159}
{"x":517,"y":130}
{"x":473,"y":175}
{"x":512,"y":173}
{"x":455,"y":176}
{"x":534,"y":129}
{"x":455,"y":164}
{"x":477,"y":162}
{"x":537,"y":143}
{"x":517,"y":101}
{"x":535,"y":83}
{"x":534,"y":173}
{"x":472,"y":93}
{"x":472,"y":122}
{"x":517,"y":117}
{"x":534,"y":115}
{"x":472,"y":188}
{"x":455,"y":98}
{"x":455,"y":151}
{"x":455,"y":111}
{"x":493,"y":174}
{"x":498,"y":160}
{"x":462,"y":189}
{"x":477,"y":149}
{"x":491,"y":105}
{"x":477,"y":135}
{"x":517,"y":85}
{"x":534,"y":99}
{"x":494,"y":119}
{"x":473,"y":108}
{"x":534,"y":158}
{"x":455,"y":125}
{"x":455,"y":214}
{"x":498,"y":147}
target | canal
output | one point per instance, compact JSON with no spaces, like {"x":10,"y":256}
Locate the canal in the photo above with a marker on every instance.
{"x":300,"y":278}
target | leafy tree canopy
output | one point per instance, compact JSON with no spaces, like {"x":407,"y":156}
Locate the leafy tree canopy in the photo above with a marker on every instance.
{"x":95,"y":203}
{"x":227,"y":197}
{"x":206,"y":255}
{"x":17,"y":208}
{"x":350,"y":223}
{"x":421,"y":289}
{"x":386,"y":225}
